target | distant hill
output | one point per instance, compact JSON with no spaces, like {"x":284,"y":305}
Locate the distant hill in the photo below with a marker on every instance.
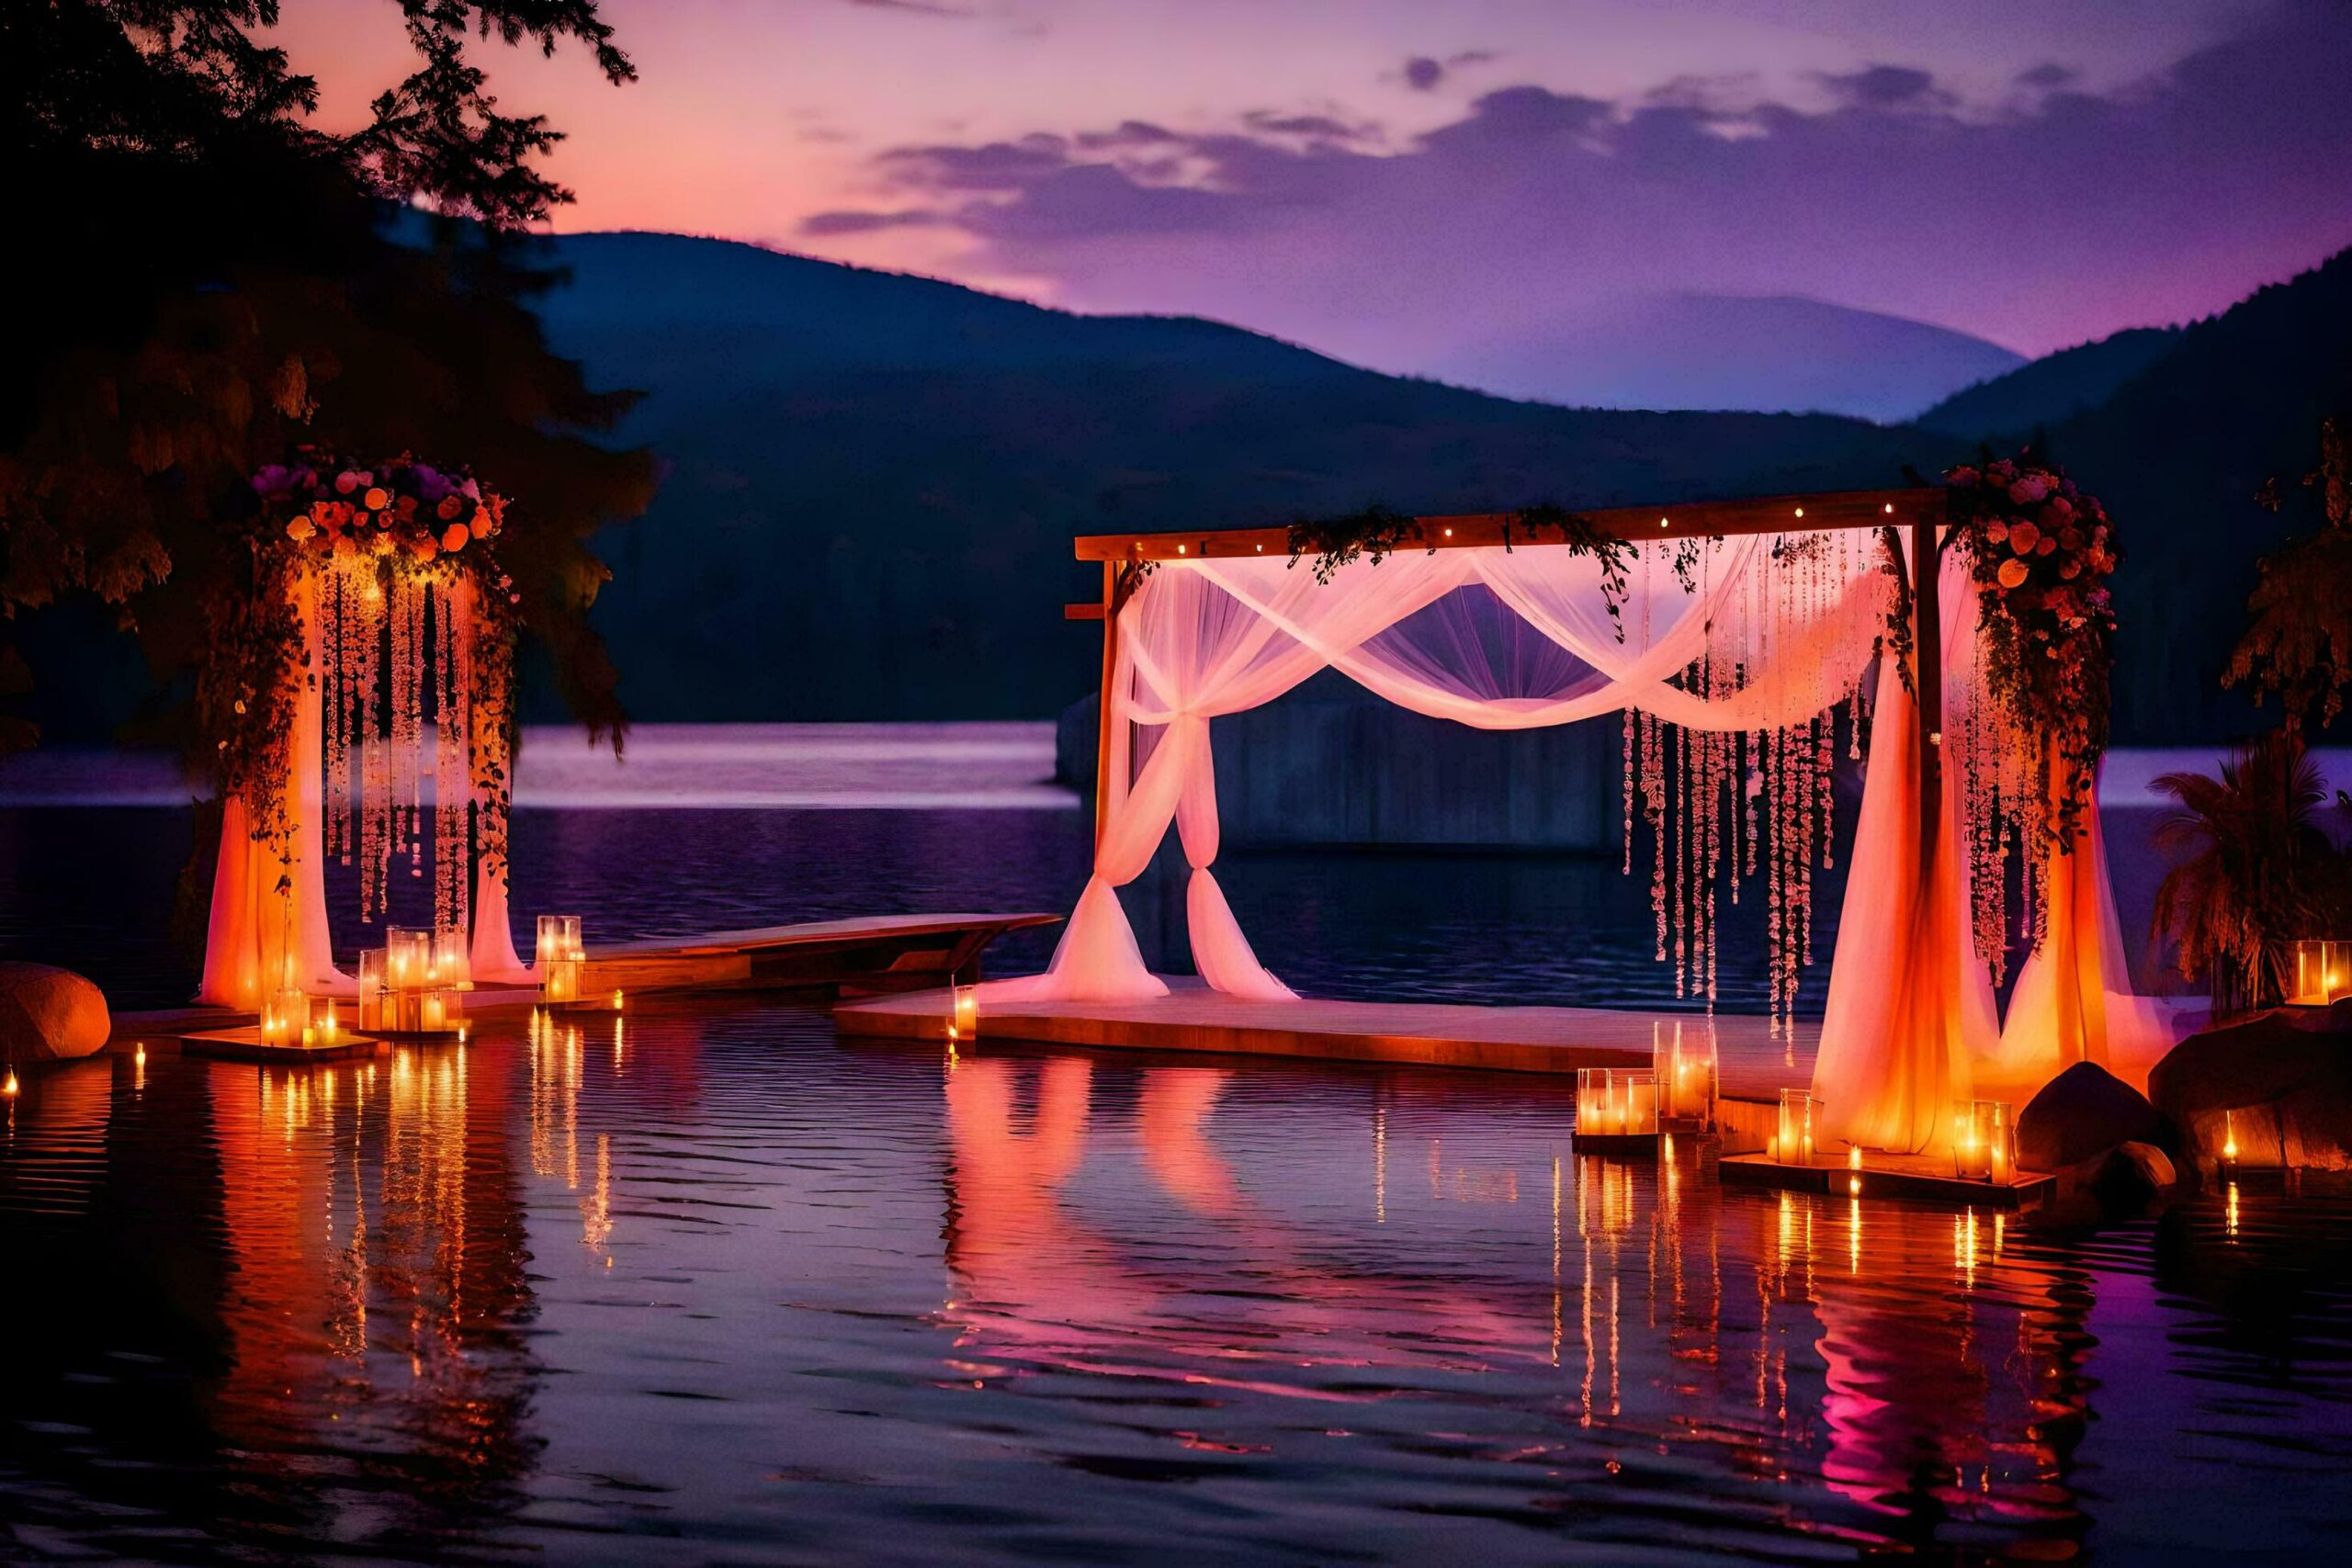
{"x":874,"y":480}
{"x":2054,"y":388}
{"x":1712,"y":351}
{"x":2177,"y":452}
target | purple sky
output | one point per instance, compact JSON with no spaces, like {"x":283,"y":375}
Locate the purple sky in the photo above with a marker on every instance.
{"x":1396,"y":180}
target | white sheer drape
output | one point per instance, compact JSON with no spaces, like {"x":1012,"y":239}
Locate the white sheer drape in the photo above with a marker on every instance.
{"x":1203,"y":638}
{"x":1767,"y":631}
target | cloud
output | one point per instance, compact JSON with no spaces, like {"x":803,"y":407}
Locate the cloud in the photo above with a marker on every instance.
{"x":2036,"y":219}
{"x":2049,"y":74}
{"x":1421,"y":73}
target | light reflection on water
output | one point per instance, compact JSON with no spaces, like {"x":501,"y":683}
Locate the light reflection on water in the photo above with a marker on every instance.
{"x":709,"y":1282}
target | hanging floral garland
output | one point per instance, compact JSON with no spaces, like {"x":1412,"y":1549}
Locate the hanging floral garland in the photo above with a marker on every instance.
{"x":2041,"y":551}
{"x":416,"y":633}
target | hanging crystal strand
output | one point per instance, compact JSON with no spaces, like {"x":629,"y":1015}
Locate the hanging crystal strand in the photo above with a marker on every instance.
{"x":1654,"y":788}
{"x":421,"y":651}
{"x":1681,"y":743}
{"x":461,"y":643}
{"x":375,"y":763}
{"x":1630,"y":765}
{"x":1773,"y":909}
{"x":443,"y":747}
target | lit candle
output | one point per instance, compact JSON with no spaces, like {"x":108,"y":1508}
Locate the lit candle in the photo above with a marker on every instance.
{"x":616,"y":1002}
{"x":2229,"y":1137}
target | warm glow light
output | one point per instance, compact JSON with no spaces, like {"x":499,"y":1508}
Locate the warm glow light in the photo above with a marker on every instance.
{"x":1799,"y":511}
{"x":616,"y":1002}
{"x":1180,"y":549}
{"x":1854,"y":1157}
{"x":8,"y":1084}
{"x":1661,"y":522}
{"x":2229,"y":1137}
{"x":1449,"y":533}
{"x":1890,"y":506}
{"x":1853,"y":1187}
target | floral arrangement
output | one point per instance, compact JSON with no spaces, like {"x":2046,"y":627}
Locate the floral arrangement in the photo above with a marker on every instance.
{"x":2041,"y":551}
{"x":383,"y":507}
{"x":413,"y":622}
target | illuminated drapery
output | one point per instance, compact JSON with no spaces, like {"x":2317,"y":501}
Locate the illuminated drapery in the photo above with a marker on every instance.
{"x":1731,"y":660}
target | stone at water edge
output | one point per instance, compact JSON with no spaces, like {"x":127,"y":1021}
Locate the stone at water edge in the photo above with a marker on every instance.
{"x":2286,"y":1079}
{"x":2134,"y":1172}
{"x":50,"y":1015}
{"x":2080,"y":1115}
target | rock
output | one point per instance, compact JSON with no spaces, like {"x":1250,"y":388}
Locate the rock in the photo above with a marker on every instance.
{"x":2134,"y":1172}
{"x":2280,"y":1084}
{"x":50,"y":1015}
{"x":2080,"y":1115}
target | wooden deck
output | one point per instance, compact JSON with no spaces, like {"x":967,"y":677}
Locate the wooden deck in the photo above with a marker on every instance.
{"x":860,"y":957}
{"x":1915,"y":1177}
{"x":1497,"y":1039}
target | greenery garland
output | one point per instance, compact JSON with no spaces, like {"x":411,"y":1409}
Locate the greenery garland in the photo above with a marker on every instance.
{"x":1377,"y":532}
{"x":2041,"y":551}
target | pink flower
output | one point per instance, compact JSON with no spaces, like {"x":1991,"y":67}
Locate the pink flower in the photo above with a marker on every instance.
{"x":1963,"y":476}
{"x":345,"y":482}
{"x":2028,"y":490}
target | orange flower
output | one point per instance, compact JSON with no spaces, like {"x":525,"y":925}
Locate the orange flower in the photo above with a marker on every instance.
{"x":376,"y":499}
{"x":424,"y":547}
{"x":453,"y":536}
{"x":2023,"y":537}
{"x":300,"y":528}
{"x":2013,"y":573}
{"x":450,"y":506}
{"x":481,"y":524}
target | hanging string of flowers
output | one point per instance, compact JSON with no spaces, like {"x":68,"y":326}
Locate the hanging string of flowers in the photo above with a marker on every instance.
{"x":415,"y":634}
{"x":2040,"y":552}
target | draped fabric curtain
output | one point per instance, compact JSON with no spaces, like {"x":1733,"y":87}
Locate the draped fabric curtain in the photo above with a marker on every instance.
{"x":1746,"y":634}
{"x":268,"y":924}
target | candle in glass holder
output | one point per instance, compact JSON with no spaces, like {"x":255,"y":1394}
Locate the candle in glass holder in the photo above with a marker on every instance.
{"x":1592,"y":1098}
{"x":1641,"y":1103}
{"x":1971,"y":1154}
{"x":324,"y":1031}
{"x":283,"y":1017}
{"x":2000,"y":1142}
{"x":1794,"y":1130}
{"x":408,"y":958}
{"x":452,"y":964}
{"x":372,"y":989}
{"x":968,"y":1011}
{"x":433,"y":1012}
{"x":2323,"y":972}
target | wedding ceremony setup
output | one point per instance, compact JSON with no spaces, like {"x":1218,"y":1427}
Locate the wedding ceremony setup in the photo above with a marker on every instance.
{"x":1733,"y":642}
{"x":903,"y":783}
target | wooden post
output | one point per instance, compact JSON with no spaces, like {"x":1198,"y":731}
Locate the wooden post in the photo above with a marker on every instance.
{"x":1103,"y":719}
{"x":1928,"y":671}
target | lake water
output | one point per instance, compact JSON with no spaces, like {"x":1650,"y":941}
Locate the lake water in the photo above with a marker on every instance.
{"x":709,"y":1285}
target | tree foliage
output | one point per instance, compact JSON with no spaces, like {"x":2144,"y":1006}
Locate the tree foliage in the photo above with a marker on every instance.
{"x":2298,"y":646}
{"x":2252,"y":868}
{"x":214,"y":280}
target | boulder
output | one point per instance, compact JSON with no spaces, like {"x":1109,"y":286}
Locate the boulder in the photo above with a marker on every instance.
{"x":2134,"y":1172}
{"x":2280,"y":1083}
{"x":50,"y":1015}
{"x":2080,"y":1115}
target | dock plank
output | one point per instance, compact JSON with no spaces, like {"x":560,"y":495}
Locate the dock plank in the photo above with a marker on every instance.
{"x":1499,"y":1039}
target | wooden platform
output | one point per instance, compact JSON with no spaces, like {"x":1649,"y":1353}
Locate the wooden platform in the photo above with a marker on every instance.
{"x":246,"y":1045}
{"x":1916,"y":1178}
{"x":878,"y":952}
{"x":1192,"y":1017}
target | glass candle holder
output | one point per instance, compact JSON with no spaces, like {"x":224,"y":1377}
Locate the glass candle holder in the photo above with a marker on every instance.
{"x":2001,"y":1141}
{"x":284,"y":1014}
{"x":559,"y":937}
{"x":452,"y":963}
{"x":1971,"y":1158}
{"x":372,"y":989}
{"x":1794,"y":1129}
{"x":1634,"y":1097}
{"x":326,"y":1028}
{"x":407,"y":959}
{"x":1685,"y":1066}
{"x":1592,"y":1099}
{"x":2323,"y":972}
{"x":965,"y":1023}
{"x":439,"y":1011}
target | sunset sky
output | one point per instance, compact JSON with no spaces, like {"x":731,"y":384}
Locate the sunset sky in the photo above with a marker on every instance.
{"x":1390,"y":180}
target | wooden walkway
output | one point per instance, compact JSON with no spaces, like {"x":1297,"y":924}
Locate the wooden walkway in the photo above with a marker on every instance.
{"x":858,"y":957}
{"x":1498,"y":1039}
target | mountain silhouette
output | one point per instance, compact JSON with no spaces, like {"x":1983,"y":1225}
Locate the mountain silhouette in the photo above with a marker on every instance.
{"x":1772,"y":354}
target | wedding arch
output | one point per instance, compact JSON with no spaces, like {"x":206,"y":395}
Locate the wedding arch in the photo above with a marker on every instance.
{"x":1733,"y":640}
{"x":364,"y":695}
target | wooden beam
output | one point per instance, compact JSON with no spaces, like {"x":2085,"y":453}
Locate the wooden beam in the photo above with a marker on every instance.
{"x":1928,"y":676}
{"x":1763,"y":514}
{"x":1109,"y":617}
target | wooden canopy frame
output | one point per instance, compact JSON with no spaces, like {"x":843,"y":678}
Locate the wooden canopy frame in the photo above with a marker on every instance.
{"x":1920,"y":510}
